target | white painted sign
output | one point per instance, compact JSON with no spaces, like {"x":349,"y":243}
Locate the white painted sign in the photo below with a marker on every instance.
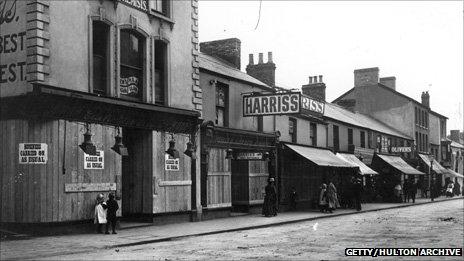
{"x":94,"y":161}
{"x":89,"y":187}
{"x":401,"y":149}
{"x":271,"y":104}
{"x":33,"y":153}
{"x":171,"y":164}
{"x":249,"y":156}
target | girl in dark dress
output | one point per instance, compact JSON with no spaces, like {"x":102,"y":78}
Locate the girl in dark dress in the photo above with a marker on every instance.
{"x":270,"y":199}
{"x":112,"y":207}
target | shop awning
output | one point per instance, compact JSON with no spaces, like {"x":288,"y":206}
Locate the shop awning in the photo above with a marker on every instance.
{"x":320,"y":157}
{"x":436,"y":167}
{"x":399,"y":164}
{"x":454,"y":174}
{"x":351,"y":158}
{"x":48,"y":102}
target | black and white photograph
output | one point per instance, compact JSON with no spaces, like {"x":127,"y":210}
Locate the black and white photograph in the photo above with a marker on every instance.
{"x":231,"y":130}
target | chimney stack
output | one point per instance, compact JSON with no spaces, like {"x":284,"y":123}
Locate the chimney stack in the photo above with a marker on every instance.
{"x":228,"y":50}
{"x":250,"y":59}
{"x":264,"y":72}
{"x":314,"y":88}
{"x":454,"y":135}
{"x":425,"y":97}
{"x":367,"y":76}
{"x":390,"y":82}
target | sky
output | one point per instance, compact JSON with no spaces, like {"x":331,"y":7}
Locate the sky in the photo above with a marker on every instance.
{"x":418,"y":42}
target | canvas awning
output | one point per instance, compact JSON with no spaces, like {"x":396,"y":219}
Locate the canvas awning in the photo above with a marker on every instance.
{"x":436,"y":167}
{"x":351,"y":158}
{"x":399,"y":164}
{"x":320,"y":157}
{"x":454,"y":174}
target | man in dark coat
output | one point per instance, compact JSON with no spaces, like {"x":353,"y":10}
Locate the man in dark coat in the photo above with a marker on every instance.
{"x":413,"y":191}
{"x":270,"y":199}
{"x":357,"y":189}
{"x":112,"y":207}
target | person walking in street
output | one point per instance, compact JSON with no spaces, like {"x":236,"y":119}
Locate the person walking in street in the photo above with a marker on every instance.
{"x":270,"y":199}
{"x":449,"y":190}
{"x":293,"y":198}
{"x":413,"y":191}
{"x":100,"y":213}
{"x":406,"y":193}
{"x":332,"y":198}
{"x":457,"y":187}
{"x":397,"y":193}
{"x":323,"y":198}
{"x":357,"y":190}
{"x":112,"y":206}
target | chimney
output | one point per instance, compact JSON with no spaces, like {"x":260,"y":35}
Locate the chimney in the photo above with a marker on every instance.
{"x":227,"y":50}
{"x":425,"y":97}
{"x":454,"y":135}
{"x":390,"y":82}
{"x":250,"y":59}
{"x":368,"y":76}
{"x":264,"y":72}
{"x":314,"y":88}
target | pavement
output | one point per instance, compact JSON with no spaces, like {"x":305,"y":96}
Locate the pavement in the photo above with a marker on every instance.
{"x":43,"y":247}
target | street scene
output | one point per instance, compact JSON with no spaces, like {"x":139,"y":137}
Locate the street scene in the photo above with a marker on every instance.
{"x":224,"y":130}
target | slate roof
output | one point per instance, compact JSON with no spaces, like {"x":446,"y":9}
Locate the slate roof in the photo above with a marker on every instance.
{"x":338,"y":113}
{"x":218,"y":66}
{"x":456,"y":144}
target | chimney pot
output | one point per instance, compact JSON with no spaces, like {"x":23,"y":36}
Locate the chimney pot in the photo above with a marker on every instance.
{"x":250,"y":59}
{"x":269,"y":57}
{"x":315,"y":79}
{"x":260,"y":58}
{"x":320,"y":78}
{"x":310,"y":79}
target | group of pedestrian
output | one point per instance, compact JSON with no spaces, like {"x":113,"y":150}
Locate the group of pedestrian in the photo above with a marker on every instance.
{"x":105,"y":213}
{"x":410,"y":190}
{"x":453,"y":188}
{"x":328,"y":199}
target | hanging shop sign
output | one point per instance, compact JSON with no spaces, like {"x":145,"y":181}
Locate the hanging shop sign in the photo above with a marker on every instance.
{"x":272,"y":104}
{"x":312,"y":105}
{"x":249,"y":156}
{"x":400,"y":149}
{"x":141,"y":5}
{"x":280,"y":103}
{"x":89,"y":187}
{"x":94,"y":162}
{"x":171,"y":164}
{"x":33,"y":153}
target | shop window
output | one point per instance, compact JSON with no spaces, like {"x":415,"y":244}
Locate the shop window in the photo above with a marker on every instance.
{"x":362,"y":137}
{"x":350,"y":136}
{"x":160,"y":6}
{"x":336,"y":138}
{"x":292,"y":129}
{"x":260,"y":123}
{"x":160,"y":72}
{"x":221,"y":104}
{"x":313,"y":133}
{"x":131,"y":65}
{"x":100,"y":62}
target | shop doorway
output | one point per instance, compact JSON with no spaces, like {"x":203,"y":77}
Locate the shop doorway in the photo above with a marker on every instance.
{"x":136,"y":175}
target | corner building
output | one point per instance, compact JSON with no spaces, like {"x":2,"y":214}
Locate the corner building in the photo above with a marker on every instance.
{"x":127,"y":68}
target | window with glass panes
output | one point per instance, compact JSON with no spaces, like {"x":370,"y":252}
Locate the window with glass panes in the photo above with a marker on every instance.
{"x":100,"y":50}
{"x":131,"y":65}
{"x":221,"y":104}
{"x":313,"y":133}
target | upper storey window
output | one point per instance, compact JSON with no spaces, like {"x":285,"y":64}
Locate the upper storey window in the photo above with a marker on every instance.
{"x":131,"y":65}
{"x":160,"y":6}
{"x":100,"y":51}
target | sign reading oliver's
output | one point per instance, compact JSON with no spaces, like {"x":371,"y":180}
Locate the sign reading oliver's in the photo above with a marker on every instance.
{"x":141,"y":5}
{"x":12,"y":47}
{"x":272,"y":104}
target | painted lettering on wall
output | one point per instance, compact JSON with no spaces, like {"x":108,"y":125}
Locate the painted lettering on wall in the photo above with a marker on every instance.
{"x":96,"y":161}
{"x":282,"y":103}
{"x":12,"y":43}
{"x":33,"y":153}
{"x":171,"y":164}
{"x":137,"y":4}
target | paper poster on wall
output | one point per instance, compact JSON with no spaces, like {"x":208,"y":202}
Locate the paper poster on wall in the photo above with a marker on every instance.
{"x":94,"y":162}
{"x":33,"y":153}
{"x":171,"y":164}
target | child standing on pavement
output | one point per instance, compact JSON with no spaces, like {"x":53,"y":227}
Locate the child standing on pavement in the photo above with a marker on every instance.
{"x":111,"y":214}
{"x":100,"y":213}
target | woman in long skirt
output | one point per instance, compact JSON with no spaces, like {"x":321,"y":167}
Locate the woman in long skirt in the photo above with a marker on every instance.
{"x":270,"y":199}
{"x":332,"y":198}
